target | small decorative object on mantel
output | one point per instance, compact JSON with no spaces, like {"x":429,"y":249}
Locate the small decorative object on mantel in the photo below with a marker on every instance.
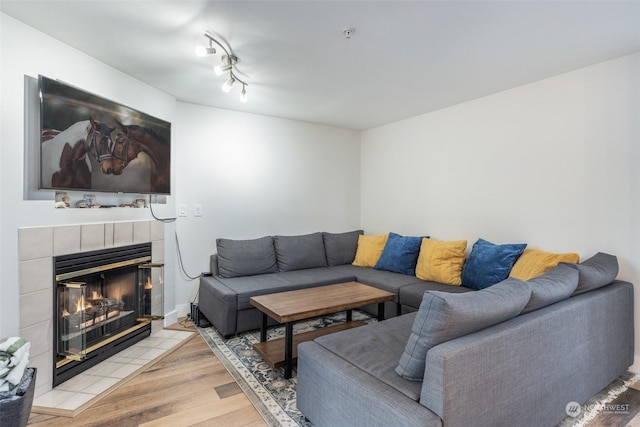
{"x":90,"y":199}
{"x":62,"y":200}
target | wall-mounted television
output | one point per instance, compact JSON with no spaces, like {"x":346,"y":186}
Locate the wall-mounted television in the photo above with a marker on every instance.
{"x":89,"y":143}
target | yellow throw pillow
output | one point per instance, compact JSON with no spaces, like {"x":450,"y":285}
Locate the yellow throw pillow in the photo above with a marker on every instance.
{"x":369,"y":249}
{"x":534,"y":262}
{"x":441,"y":261}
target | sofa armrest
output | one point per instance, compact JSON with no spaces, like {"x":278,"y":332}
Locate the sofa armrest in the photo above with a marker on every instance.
{"x":219,"y":304}
{"x":213,"y":265}
{"x":524,"y":371}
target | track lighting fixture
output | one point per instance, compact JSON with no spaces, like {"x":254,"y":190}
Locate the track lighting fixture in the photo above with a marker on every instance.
{"x":228,"y":63}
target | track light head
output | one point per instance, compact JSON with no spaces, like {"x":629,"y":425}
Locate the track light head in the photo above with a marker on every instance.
{"x":228,"y":61}
{"x":226,"y":87}
{"x":221,"y":69}
{"x":243,"y":96}
{"x":205,"y":50}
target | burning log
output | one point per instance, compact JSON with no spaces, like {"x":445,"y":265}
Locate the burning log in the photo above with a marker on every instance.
{"x":91,"y":312}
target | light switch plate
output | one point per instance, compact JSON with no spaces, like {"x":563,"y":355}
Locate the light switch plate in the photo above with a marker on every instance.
{"x":182,"y":210}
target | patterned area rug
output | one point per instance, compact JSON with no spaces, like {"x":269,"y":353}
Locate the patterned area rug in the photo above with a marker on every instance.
{"x":616,"y":405}
{"x":274,"y":397}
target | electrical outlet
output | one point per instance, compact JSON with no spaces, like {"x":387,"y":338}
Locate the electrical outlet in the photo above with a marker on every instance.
{"x":197,"y":210}
{"x":182,"y":210}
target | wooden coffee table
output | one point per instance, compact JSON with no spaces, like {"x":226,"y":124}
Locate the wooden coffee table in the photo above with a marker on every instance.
{"x":292,"y":306}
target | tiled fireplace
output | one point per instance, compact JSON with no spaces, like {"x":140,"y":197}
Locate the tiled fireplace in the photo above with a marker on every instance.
{"x":38,"y":248}
{"x":104,"y":302}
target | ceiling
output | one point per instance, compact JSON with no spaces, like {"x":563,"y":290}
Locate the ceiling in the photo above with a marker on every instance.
{"x":405,"y":58}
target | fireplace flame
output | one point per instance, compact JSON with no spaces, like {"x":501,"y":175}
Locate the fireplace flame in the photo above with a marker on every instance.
{"x":81,"y":304}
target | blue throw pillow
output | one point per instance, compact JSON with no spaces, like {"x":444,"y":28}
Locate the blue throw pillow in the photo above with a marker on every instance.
{"x":400,"y":254}
{"x":489,"y":264}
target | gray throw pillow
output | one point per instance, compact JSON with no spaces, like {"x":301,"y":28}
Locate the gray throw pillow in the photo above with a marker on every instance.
{"x":553,"y":286}
{"x":596,"y":272}
{"x":299,"y":252}
{"x":246,"y":257}
{"x":444,"y":316}
{"x":340,"y":248}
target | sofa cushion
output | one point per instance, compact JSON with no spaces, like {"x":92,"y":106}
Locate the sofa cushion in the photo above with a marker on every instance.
{"x":400,"y":254}
{"x":246,"y":257}
{"x":441,"y":261}
{"x":247,"y":287}
{"x":385,"y":280}
{"x":553,"y":286}
{"x":411,"y":295}
{"x":489,"y":264}
{"x":444,"y":316}
{"x":596,"y":272}
{"x":340,"y":248}
{"x":534,"y":262}
{"x":369,"y":249}
{"x":298,"y":252}
{"x":375,"y":349}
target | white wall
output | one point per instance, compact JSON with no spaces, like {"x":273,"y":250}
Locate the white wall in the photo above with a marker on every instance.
{"x":257,"y":176}
{"x":555,"y":164}
{"x":253,"y":175}
{"x":27,"y":52}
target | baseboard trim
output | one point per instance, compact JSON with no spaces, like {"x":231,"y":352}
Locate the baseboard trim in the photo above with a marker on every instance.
{"x":635,"y":368}
{"x":170,"y":318}
{"x":181,"y":310}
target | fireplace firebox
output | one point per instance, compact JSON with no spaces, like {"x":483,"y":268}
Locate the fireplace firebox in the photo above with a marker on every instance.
{"x":104,"y":302}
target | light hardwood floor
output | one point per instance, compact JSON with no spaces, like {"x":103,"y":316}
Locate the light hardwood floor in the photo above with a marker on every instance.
{"x":189,"y":387}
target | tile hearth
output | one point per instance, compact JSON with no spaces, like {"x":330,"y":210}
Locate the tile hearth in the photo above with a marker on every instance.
{"x":77,"y":394}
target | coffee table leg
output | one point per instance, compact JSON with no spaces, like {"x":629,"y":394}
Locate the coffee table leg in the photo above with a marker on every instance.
{"x":263,"y":328}
{"x":380,"y":311}
{"x":349,"y":315}
{"x":288,"y":349}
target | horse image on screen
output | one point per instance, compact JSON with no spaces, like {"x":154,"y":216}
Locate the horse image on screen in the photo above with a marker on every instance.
{"x":90,"y":143}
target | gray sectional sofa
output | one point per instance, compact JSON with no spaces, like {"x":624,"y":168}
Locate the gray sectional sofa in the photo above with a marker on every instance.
{"x":244,"y":268}
{"x":514,"y":354}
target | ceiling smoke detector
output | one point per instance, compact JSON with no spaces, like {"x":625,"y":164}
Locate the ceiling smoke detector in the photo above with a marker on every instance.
{"x":348,"y":32}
